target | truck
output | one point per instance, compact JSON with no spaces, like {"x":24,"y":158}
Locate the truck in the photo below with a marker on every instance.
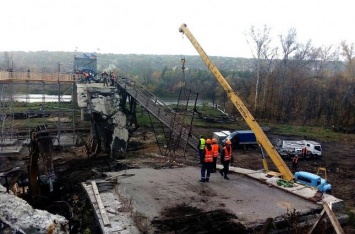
{"x":242,"y":138}
{"x":220,"y":136}
{"x":290,"y":148}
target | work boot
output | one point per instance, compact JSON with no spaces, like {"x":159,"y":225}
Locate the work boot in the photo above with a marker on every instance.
{"x":221,"y":172}
{"x":226,"y":178}
{"x":202,"y":180}
{"x":207,"y":179}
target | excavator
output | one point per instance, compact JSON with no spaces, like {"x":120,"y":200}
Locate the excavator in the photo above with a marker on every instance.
{"x":262,"y":139}
{"x":40,"y":177}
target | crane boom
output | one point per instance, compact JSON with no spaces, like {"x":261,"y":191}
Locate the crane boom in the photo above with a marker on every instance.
{"x":243,"y":110}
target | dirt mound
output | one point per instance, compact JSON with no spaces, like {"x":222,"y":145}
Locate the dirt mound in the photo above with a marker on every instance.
{"x":187,"y":219}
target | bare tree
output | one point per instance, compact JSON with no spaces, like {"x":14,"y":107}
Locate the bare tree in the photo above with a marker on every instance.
{"x":286,"y":90}
{"x":348,"y":100}
{"x":260,"y":41}
{"x":289,"y":44}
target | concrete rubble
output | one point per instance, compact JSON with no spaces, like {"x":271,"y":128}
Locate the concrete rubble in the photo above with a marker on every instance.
{"x":110,"y":121}
{"x":21,"y":217}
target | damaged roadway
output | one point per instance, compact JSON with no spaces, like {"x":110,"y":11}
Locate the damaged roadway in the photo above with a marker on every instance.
{"x":151,"y":192}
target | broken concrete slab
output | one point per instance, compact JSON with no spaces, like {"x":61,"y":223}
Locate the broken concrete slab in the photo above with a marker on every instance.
{"x":21,"y":217}
{"x":103,"y":103}
{"x":151,"y":191}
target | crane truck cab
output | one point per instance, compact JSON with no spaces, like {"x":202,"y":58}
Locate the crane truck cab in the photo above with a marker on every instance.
{"x":314,"y":149}
{"x":313,"y":180}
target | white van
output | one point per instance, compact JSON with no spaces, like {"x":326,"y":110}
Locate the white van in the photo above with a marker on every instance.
{"x":314,"y":149}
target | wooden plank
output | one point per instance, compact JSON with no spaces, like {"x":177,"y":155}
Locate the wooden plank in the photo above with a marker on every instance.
{"x":89,"y":191}
{"x":317,"y":221}
{"x":102,"y":210}
{"x":333,"y":219}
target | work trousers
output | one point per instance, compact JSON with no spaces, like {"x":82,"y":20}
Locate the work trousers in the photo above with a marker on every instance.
{"x":206,"y":170}
{"x":214,"y":167}
{"x":225,"y":167}
{"x":294,"y":166}
{"x":200,"y":153}
{"x":105,"y":82}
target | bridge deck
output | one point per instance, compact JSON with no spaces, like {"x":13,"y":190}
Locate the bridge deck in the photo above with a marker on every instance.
{"x":6,"y":76}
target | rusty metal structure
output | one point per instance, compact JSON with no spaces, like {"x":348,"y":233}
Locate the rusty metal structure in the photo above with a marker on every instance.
{"x":173,"y":129}
{"x":16,"y":103}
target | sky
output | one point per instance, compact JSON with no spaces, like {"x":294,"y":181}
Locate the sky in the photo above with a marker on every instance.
{"x":151,"y":26}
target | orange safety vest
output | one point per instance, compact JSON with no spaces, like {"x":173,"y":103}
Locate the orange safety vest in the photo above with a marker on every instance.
{"x":215,"y":150}
{"x":227,"y":155}
{"x":208,"y":155}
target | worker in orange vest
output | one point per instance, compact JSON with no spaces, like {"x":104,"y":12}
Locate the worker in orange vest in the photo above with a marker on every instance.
{"x":304,"y":152}
{"x":295,"y":162}
{"x":215,"y":148}
{"x":206,"y":162}
{"x":87,"y":77}
{"x":226,"y":159}
{"x":112,"y":78}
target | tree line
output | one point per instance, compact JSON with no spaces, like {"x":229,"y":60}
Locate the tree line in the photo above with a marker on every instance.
{"x":293,"y":83}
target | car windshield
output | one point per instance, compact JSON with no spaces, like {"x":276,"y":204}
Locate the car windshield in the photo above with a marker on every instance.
{"x":231,"y":135}
{"x":317,"y":147}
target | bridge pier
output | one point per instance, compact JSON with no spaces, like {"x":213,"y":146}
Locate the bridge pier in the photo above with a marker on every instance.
{"x":109,"y":128}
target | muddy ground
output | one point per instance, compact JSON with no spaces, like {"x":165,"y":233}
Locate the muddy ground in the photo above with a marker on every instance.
{"x":72,"y":167}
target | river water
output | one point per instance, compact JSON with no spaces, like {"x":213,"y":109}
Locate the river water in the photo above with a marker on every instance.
{"x":32,"y":98}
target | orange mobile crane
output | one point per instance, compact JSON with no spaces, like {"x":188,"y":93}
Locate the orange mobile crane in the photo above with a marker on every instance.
{"x":254,"y":126}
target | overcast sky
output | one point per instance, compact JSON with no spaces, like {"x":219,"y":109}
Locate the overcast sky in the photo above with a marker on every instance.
{"x":151,"y":26}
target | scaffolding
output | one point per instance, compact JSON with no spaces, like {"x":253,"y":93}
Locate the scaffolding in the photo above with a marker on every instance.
{"x":27,"y":104}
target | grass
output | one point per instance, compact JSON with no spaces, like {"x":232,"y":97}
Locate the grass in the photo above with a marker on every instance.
{"x":302,"y":131}
{"x":23,"y":106}
{"x":311,"y":132}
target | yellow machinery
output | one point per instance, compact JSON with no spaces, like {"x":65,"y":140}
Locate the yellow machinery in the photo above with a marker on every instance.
{"x":254,"y":126}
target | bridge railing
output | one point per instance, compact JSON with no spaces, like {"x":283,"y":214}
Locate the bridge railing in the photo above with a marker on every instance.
{"x":38,"y":76}
{"x":161,"y":111}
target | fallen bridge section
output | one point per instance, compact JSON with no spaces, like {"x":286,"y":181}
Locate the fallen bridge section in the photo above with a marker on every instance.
{"x":159,"y":196}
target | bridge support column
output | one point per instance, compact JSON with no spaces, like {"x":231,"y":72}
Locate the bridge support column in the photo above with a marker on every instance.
{"x":82,"y":113}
